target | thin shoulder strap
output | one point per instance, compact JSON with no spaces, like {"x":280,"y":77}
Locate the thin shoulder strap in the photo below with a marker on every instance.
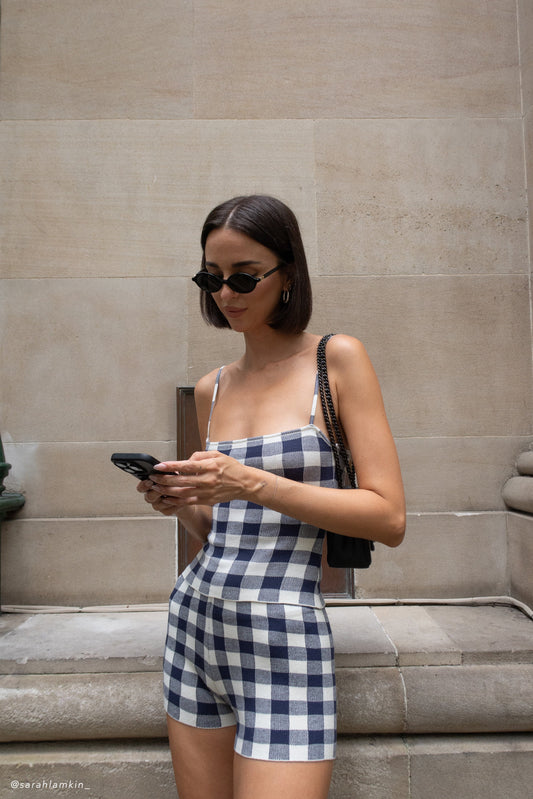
{"x":315,"y":401}
{"x":213,"y":400}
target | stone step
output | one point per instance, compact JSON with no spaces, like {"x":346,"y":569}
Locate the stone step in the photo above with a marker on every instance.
{"x":401,"y":669}
{"x":367,"y":767}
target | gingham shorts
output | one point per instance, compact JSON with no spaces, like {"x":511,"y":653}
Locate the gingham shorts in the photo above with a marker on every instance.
{"x":266,"y":668}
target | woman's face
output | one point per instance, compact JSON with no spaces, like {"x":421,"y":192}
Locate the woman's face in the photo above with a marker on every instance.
{"x":228,"y":252}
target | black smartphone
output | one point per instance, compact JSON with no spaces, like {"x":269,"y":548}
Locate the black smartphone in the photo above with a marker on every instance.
{"x":138,"y":464}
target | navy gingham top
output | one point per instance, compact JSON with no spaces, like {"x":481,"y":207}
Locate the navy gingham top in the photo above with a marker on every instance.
{"x":256,"y":554}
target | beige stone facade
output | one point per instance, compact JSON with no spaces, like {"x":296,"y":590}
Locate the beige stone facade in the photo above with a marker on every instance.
{"x":402,"y":135}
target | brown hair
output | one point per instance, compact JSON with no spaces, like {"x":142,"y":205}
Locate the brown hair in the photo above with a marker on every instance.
{"x":272,"y":224}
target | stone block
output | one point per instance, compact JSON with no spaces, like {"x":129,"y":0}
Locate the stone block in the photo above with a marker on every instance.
{"x":525,"y":35}
{"x":112,"y":769}
{"x":83,"y":643}
{"x":77,"y":562}
{"x":62,"y":479}
{"x":425,"y":201}
{"x":359,"y":638}
{"x":470,"y":767}
{"x":443,"y":555}
{"x":456,"y":473}
{"x":370,"y":701}
{"x":70,"y":707}
{"x":390,"y":59}
{"x":528,"y":133}
{"x":469,"y":699}
{"x":418,"y":638}
{"x":91,"y":371}
{"x":65,"y":61}
{"x":100,"y":199}
{"x":370,"y":768}
{"x":10,"y":621}
{"x":487,"y":634}
{"x":413,"y":328}
{"x":520,"y":536}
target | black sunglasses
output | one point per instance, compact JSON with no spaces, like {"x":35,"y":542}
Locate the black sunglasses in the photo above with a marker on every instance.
{"x":240,"y":282}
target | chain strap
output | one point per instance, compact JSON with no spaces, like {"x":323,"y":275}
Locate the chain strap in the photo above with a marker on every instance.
{"x":343,"y":462}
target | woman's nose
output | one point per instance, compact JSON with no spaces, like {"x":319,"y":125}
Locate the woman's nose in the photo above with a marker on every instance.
{"x":225,"y":291}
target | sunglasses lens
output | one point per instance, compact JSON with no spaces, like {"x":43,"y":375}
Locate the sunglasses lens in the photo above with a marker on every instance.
{"x":208,"y":282}
{"x":242,"y":283}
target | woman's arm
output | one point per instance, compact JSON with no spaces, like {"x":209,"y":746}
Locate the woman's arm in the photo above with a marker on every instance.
{"x":376,"y":510}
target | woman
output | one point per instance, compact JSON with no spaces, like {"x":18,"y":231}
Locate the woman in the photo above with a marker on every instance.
{"x":249,"y":677}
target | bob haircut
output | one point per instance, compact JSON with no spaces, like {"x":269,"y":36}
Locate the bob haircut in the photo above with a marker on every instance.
{"x":272,"y":224}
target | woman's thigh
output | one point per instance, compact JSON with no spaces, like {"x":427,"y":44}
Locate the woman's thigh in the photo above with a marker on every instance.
{"x":202,"y":760}
{"x":262,"y":779}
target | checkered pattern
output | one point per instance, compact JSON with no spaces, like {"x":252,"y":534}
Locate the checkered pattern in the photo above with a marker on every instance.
{"x":253,"y":553}
{"x":266,"y":668}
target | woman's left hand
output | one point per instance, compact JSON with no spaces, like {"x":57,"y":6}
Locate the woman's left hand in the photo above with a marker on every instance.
{"x":205,"y":479}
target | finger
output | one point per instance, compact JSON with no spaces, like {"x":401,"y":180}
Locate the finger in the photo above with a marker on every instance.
{"x":177,"y":503}
{"x":152,"y":496}
{"x":189,"y":466}
{"x":175,"y":480}
{"x":177,"y":496}
{"x":165,"y":507}
{"x":168,"y":466}
{"x":164,"y":479}
{"x":203,"y":454}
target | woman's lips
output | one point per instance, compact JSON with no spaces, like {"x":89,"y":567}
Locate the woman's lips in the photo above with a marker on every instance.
{"x":230,"y":311}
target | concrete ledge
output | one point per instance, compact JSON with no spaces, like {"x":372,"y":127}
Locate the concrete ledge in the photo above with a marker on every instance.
{"x":68,"y":643}
{"x":470,"y":767}
{"x":370,"y":701}
{"x":367,"y":767}
{"x":66,"y":707}
{"x":469,"y":699}
{"x":122,"y":770}
{"x":400,"y":669}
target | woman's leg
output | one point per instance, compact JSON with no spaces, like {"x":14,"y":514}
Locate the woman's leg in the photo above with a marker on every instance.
{"x":262,"y":779}
{"x":202,"y":760}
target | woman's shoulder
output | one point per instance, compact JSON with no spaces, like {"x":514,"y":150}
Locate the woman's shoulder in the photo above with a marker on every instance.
{"x":349,"y":363}
{"x":203,"y":395}
{"x":206,"y":385}
{"x":342,"y":348}
{"x":351,"y":369}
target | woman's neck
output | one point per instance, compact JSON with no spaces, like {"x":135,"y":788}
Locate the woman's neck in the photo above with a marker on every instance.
{"x":274,"y":346}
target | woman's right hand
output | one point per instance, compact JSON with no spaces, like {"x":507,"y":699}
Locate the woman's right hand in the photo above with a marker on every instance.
{"x":196,"y":519}
{"x":155,"y":499}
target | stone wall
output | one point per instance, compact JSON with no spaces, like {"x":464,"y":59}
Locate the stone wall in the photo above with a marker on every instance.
{"x":399,"y":132}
